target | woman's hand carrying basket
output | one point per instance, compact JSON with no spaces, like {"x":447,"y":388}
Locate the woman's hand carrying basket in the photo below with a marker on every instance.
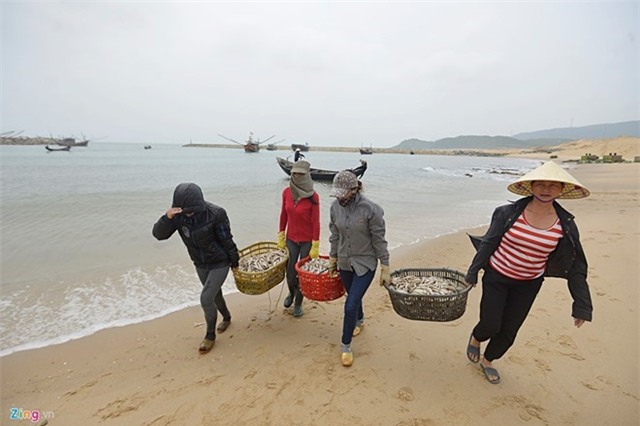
{"x":260,"y":282}
{"x":319,"y":287}
{"x":430,"y":307}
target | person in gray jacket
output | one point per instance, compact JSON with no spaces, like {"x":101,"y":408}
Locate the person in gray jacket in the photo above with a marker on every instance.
{"x":527,"y":240}
{"x":357,"y":244}
{"x":206,"y":233}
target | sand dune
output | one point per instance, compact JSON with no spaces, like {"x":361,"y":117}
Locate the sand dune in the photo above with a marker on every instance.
{"x":626,"y":146}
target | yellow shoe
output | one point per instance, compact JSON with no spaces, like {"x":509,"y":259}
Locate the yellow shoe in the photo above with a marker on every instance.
{"x":358,"y":329}
{"x":347,"y":359}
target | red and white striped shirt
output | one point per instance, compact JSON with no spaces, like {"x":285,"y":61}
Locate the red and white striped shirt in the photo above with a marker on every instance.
{"x":524,"y":250}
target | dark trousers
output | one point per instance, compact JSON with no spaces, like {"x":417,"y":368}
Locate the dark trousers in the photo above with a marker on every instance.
{"x":297,"y":251}
{"x":211,"y":298}
{"x":356,"y":286}
{"x":504,"y":306}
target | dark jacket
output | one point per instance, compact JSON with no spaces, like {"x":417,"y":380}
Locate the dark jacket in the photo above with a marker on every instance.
{"x":567,"y":261}
{"x":206,"y":234}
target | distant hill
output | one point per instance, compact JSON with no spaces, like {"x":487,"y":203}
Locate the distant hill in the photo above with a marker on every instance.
{"x":596,"y":131}
{"x":476,"y":142}
{"x":550,"y":137}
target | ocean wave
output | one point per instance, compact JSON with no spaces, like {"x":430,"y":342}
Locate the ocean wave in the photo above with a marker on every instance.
{"x":54,"y":316}
{"x":497,"y":173}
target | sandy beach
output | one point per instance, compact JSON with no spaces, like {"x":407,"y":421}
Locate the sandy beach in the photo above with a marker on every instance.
{"x":270,"y":368}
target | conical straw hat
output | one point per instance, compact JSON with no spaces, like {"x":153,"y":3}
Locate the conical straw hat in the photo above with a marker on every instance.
{"x":550,"y":171}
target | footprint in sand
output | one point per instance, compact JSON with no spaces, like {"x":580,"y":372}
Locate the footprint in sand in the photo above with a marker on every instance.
{"x":528,"y":409}
{"x":516,"y":359}
{"x":121,"y":406}
{"x":405,"y":393}
{"x":417,"y":422}
{"x":569,"y":347}
{"x":414,"y":357}
{"x":561,"y":296}
{"x":251,"y":374}
{"x":597,"y":383}
{"x":85,"y":386}
{"x":542,"y":365}
{"x":561,"y":345}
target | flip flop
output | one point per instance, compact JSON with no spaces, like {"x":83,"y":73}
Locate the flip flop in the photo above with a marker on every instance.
{"x":223,"y":326}
{"x":473,"y":350}
{"x":490,"y":371}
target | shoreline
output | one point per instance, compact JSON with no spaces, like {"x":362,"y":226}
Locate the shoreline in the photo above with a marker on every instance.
{"x":627,"y":147}
{"x":271,"y":368}
{"x":402,"y":251}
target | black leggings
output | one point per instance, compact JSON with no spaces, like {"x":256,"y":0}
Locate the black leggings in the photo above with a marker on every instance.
{"x":211,"y":298}
{"x":504,"y":306}
{"x":297,"y":251}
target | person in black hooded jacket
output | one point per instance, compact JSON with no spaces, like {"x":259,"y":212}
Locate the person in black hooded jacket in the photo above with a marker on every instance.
{"x":206,"y":232}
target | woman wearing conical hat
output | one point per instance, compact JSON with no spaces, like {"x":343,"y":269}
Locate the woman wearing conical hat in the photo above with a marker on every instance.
{"x":527,"y":240}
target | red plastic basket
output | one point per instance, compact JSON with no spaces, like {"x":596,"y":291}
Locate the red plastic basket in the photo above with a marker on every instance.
{"x":319,"y":287}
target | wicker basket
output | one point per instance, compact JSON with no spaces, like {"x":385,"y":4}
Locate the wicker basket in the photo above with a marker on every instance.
{"x":429,"y":307}
{"x":319,"y":287}
{"x":260,"y":282}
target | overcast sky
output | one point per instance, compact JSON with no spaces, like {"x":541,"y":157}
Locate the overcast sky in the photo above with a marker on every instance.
{"x":332,"y":74}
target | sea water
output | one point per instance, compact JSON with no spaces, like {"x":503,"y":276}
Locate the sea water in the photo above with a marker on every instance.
{"x":77,"y":254}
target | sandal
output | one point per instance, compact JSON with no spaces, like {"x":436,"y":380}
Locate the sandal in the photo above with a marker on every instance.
{"x":206,"y":346}
{"x":489,"y":372}
{"x":223,"y":326}
{"x":473,"y":351}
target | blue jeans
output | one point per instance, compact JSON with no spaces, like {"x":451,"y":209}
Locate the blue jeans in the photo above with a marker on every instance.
{"x":356,"y":286}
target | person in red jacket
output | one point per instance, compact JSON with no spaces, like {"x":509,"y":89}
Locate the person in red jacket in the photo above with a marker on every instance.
{"x":300,"y":218}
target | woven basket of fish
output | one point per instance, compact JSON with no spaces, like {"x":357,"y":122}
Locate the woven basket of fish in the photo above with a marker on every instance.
{"x":428,"y":294}
{"x":315,"y":282}
{"x":261,"y":267}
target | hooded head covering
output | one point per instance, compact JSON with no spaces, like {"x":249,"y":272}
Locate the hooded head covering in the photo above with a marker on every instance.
{"x":550,"y":171}
{"x":301,"y":166}
{"x":343,"y":182}
{"x":189,"y":197}
{"x":301,"y":184}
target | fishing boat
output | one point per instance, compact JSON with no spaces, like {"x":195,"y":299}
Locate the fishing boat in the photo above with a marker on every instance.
{"x":321,"y":174}
{"x":72,"y":142}
{"x":61,"y":148}
{"x":272,"y":146}
{"x":301,"y":147}
{"x":251,"y":145}
{"x":366,"y":151}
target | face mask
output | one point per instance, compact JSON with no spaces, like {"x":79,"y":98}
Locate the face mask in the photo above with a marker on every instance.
{"x":344,"y":201}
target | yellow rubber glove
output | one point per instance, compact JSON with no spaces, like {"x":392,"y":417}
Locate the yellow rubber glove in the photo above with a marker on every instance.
{"x":333,"y":266}
{"x":315,"y":248}
{"x":281,"y":240}
{"x":385,"y":275}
